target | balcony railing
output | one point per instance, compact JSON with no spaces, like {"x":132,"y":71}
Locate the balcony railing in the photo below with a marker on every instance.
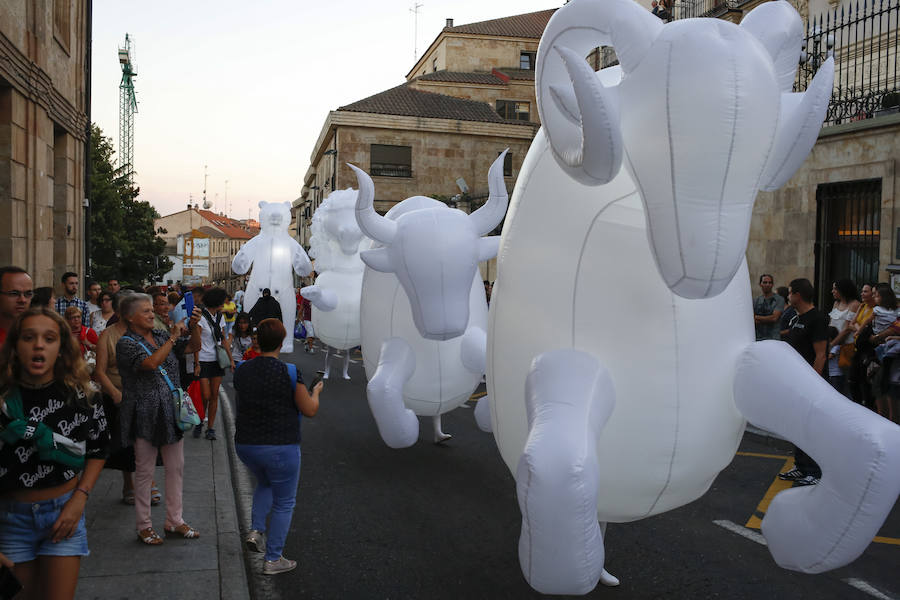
{"x":863,"y":40}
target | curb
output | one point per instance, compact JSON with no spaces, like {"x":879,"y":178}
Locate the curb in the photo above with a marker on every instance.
{"x":233,"y":584}
{"x":260,"y":586}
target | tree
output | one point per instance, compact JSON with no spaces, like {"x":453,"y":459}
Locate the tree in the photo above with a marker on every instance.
{"x":124,"y":244}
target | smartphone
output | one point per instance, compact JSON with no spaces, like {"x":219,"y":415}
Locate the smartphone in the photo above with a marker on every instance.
{"x":316,"y":380}
{"x":189,"y":303}
{"x":9,"y":585}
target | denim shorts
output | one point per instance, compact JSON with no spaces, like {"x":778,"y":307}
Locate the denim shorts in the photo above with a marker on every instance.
{"x":26,"y":530}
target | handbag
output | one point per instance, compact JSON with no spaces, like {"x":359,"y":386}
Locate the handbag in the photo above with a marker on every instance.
{"x":845,"y":358}
{"x":300,"y":331}
{"x":222,"y":356}
{"x":186,"y":415}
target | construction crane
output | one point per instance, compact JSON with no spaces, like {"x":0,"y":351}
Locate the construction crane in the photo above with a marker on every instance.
{"x":127,"y":108}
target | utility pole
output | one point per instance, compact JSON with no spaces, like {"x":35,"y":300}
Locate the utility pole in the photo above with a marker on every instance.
{"x":415,"y":11}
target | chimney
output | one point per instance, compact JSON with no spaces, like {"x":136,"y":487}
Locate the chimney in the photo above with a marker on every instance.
{"x":449,"y":22}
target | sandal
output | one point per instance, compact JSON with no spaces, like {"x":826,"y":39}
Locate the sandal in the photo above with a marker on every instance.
{"x":128,"y":497}
{"x":149,"y":537}
{"x":155,"y":496}
{"x":184,"y":530}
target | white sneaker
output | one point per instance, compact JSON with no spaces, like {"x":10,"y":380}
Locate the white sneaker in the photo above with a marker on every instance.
{"x":282,"y":565}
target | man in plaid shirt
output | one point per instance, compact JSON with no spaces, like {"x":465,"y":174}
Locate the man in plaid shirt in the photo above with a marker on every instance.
{"x":70,"y":298}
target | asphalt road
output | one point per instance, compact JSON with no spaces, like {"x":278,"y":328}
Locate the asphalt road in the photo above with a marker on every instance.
{"x":443,"y":521}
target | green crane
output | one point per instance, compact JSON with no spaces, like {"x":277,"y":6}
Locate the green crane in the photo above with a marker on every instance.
{"x":127,"y":108}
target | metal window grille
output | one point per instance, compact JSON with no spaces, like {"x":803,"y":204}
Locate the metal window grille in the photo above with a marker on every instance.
{"x":391,"y":161}
{"x":863,"y":40}
{"x":848,"y":216}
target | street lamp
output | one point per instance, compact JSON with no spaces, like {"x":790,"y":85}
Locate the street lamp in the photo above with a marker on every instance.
{"x":813,"y":53}
{"x":333,"y":153}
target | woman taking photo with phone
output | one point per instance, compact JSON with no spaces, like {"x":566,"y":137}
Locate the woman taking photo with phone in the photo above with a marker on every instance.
{"x":51,"y":459}
{"x":267,"y":440}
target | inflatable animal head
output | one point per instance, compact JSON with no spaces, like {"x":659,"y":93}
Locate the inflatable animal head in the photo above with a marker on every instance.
{"x":334,"y":230}
{"x":703,"y":118}
{"x":434,"y":251}
{"x":274,"y":216}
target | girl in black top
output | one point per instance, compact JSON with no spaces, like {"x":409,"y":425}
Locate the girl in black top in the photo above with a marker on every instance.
{"x":54,"y":442}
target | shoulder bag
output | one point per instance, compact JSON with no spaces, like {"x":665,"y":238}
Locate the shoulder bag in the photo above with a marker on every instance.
{"x":222,"y":356}
{"x":185,"y":414}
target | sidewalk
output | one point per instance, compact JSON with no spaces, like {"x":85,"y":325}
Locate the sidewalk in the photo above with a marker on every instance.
{"x":210,"y":567}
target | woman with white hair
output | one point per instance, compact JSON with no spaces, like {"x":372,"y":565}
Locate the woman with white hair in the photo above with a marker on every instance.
{"x":150,"y":376}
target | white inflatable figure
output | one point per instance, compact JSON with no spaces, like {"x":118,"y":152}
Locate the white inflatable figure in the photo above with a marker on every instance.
{"x":425,"y":311}
{"x":273,"y":254}
{"x":335,"y":296}
{"x":626,"y":395}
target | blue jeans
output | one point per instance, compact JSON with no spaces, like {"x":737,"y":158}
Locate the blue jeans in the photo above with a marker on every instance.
{"x":26,"y":529}
{"x":277,"y":472}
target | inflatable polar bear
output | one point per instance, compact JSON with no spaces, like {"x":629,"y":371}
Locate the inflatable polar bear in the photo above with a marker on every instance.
{"x":273,"y":254}
{"x":335,"y":297}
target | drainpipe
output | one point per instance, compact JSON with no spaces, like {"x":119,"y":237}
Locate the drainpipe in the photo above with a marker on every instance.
{"x":87,"y":141}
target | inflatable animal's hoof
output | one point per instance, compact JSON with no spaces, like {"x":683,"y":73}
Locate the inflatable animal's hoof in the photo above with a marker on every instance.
{"x":608,"y":579}
{"x":347,"y":377}
{"x":440,"y":438}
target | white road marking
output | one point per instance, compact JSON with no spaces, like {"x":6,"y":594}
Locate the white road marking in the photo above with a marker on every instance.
{"x":865,"y":587}
{"x":853,"y":582}
{"x":742,"y":531}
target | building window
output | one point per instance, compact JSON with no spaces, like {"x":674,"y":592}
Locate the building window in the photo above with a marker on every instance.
{"x":391,"y":161}
{"x":526,"y":61}
{"x":62,"y":21}
{"x":434,"y":65}
{"x":514,"y":110}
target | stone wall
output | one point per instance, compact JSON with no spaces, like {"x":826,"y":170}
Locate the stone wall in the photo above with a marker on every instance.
{"x":466,"y":53}
{"x":438,"y":159}
{"x":42,"y":134}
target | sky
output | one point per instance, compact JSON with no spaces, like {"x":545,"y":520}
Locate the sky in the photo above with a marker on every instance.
{"x":244,"y":88}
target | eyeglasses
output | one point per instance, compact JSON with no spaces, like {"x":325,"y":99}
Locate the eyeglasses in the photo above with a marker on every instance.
{"x":17,"y":294}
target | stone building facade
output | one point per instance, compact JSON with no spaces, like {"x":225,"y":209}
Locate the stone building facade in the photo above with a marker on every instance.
{"x":43,"y":128}
{"x":226,"y":237}
{"x":469,"y":97}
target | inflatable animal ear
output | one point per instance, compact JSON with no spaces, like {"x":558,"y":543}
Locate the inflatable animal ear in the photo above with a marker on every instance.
{"x":287,"y":204}
{"x":779,"y":29}
{"x":263,"y":203}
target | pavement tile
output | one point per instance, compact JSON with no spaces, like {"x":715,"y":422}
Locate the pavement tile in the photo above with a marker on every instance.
{"x":209,"y":567}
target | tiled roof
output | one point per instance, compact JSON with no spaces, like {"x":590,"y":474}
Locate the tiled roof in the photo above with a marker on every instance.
{"x":230,"y":227}
{"x":211,"y":231}
{"x":529,"y":25}
{"x":406,"y":101}
{"x":455,"y":77}
{"x":518,"y":74}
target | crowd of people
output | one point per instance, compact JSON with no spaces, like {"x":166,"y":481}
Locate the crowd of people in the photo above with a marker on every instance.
{"x":94,"y":383}
{"x":854,"y":345}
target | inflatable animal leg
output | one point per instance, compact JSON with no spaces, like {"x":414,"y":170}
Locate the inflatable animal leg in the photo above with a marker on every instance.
{"x":569,"y":398}
{"x":439,"y":436}
{"x":346,"y":373}
{"x":821,"y":527}
{"x":398,"y":425}
{"x":483,"y":414}
{"x":322,"y":298}
{"x":327,"y":362}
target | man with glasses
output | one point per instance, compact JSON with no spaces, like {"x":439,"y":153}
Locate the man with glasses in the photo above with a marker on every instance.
{"x":70,"y":298}
{"x":16,"y":290}
{"x":767,"y":310}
